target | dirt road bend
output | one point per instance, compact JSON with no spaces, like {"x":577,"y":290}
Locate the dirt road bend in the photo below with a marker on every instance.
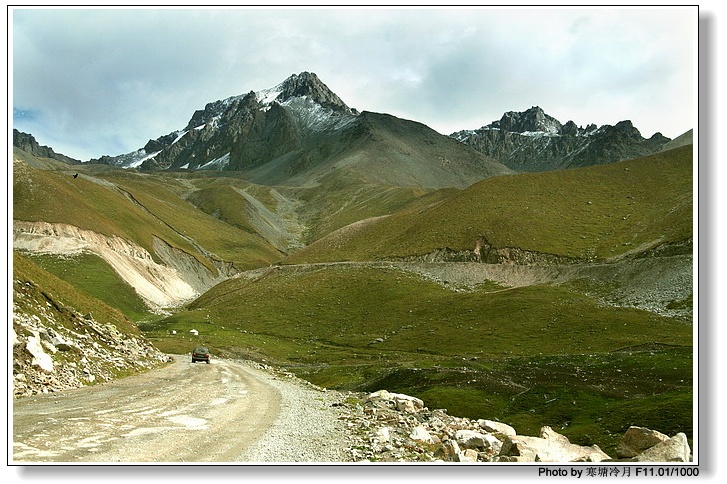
{"x":185,"y":412}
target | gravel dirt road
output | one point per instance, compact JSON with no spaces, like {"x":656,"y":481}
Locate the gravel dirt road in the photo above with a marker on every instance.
{"x":184,"y":412}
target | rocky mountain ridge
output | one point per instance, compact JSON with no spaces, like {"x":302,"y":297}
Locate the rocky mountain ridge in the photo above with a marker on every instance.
{"x":299,"y":133}
{"x":532,"y":140}
{"x":209,"y":141}
{"x":28,"y":143}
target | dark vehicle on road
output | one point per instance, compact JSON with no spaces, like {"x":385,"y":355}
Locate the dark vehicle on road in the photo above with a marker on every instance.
{"x":201,"y":353}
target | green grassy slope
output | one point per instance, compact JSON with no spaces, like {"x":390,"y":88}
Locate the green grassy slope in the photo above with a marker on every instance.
{"x":227,"y":242}
{"x":319,"y":209}
{"x":91,"y":274}
{"x":135,"y":207}
{"x":340,"y":202}
{"x":48,"y":287}
{"x":348,"y":307}
{"x":589,"y":213}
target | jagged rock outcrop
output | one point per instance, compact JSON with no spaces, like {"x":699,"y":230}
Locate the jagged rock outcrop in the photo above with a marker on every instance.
{"x":308,"y":84}
{"x":534,"y":120}
{"x":28,"y":143}
{"x":534,"y":141}
{"x":389,"y":426}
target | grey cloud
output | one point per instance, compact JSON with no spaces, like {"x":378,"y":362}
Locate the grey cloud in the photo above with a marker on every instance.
{"x":105,"y":80}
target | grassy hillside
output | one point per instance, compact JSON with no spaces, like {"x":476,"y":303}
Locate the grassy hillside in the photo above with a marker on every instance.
{"x":90,"y":274}
{"x":488,"y":353}
{"x":374,"y":149}
{"x":135,"y":207}
{"x":349,"y":307}
{"x":340,"y":202}
{"x":529,"y":355}
{"x":218,"y":238}
{"x":48,"y":289}
{"x":589,"y":213}
{"x":289,"y":217}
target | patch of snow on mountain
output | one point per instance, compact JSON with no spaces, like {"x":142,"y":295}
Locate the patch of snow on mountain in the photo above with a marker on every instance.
{"x":540,"y":134}
{"x":138,"y":162}
{"x":217,"y":163}
{"x":267,"y":96}
{"x":180,"y":134}
{"x":134,"y":159}
{"x":463,"y":135}
{"x":316,"y":117}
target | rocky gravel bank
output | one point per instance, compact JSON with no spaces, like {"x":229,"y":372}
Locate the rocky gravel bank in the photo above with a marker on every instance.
{"x":319,"y":425}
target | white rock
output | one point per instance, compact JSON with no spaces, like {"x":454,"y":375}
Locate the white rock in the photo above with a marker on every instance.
{"x":420,"y":433}
{"x":494,"y":427}
{"x":675,"y":449}
{"x":467,"y":455}
{"x":469,"y":439}
{"x":40,"y":357}
{"x":638,"y":439}
{"x":403,"y":403}
{"x":383,"y":434}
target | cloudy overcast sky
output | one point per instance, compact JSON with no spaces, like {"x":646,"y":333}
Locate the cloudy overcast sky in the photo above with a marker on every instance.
{"x":89,"y":82}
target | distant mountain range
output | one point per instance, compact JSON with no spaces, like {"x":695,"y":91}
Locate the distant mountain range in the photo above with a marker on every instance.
{"x":534,"y":141}
{"x":300,"y":132}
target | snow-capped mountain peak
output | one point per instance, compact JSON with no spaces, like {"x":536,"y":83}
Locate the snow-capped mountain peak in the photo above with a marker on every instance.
{"x":213,"y":135}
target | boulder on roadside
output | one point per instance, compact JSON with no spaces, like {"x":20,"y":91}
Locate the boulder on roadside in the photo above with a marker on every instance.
{"x":494,"y":427}
{"x":469,"y":439}
{"x":638,"y":439}
{"x":434,"y":435}
{"x":403,"y":403}
{"x":552,"y":447}
{"x":675,"y":449}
